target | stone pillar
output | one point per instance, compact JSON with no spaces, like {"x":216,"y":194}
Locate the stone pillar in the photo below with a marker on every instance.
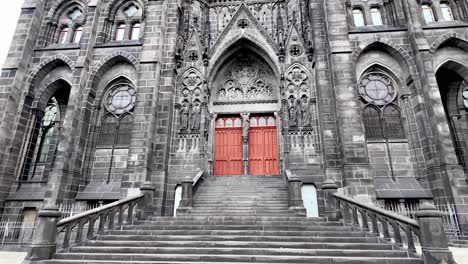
{"x":45,"y":235}
{"x":295,"y":196}
{"x":329,"y":187}
{"x":245,"y":141}
{"x":186,"y":202}
{"x":433,"y":238}
{"x":145,"y":207}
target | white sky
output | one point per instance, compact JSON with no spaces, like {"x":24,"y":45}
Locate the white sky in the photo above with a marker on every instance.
{"x":9,"y":13}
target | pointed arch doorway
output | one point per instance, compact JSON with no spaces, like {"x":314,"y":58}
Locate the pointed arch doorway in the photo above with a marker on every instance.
{"x":244,"y":100}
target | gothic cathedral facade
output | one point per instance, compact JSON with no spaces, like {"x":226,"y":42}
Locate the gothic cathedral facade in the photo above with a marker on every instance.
{"x":101,"y":96}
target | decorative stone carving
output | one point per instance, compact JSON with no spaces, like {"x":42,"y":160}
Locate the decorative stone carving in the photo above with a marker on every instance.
{"x":184,"y":115}
{"x":246,"y":80}
{"x":306,"y":112}
{"x":292,"y":111}
{"x":192,"y":98}
{"x":298,"y":92}
{"x":196,"y":116}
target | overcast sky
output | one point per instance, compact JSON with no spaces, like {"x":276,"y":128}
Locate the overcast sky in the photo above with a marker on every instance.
{"x":9,"y":13}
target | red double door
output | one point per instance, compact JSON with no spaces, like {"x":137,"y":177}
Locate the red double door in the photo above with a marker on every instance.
{"x":263,"y":146}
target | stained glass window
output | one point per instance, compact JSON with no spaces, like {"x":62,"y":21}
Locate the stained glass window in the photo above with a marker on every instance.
{"x":108,"y":130}
{"x":392,"y":122}
{"x":125,"y":130}
{"x":372,"y":123}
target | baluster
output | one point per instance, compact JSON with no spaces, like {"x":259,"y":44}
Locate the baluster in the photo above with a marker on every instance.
{"x":102,"y":222}
{"x":90,"y":234}
{"x":346,"y":216}
{"x":79,"y":232}
{"x":66,"y":238}
{"x":385,"y":231}
{"x":365,"y":224}
{"x":121,"y":216}
{"x":355,"y":216}
{"x":130,"y":213}
{"x":375,"y":226}
{"x":111,"y":216}
{"x":410,"y":240}
{"x":397,"y":234}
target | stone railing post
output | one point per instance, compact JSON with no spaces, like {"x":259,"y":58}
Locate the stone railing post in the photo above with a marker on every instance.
{"x":186,"y":202}
{"x":329,"y":188}
{"x":433,"y":238}
{"x":295,"y":196}
{"x":145,"y":207}
{"x":45,"y":235}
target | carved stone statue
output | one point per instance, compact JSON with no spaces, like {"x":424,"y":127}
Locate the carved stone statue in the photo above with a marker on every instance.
{"x":292,"y":110}
{"x":196,"y":116}
{"x":184,"y":116}
{"x":305,"y":112}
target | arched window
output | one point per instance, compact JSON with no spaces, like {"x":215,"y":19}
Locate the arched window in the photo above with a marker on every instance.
{"x":69,"y":24}
{"x":446,"y":11}
{"x":120,"y":31}
{"x":63,"y":37}
{"x":381,"y":115}
{"x":372,"y":123}
{"x":116,"y":124}
{"x":125,"y":130}
{"x":428,"y":13}
{"x":376,"y":16}
{"x":136,"y":29}
{"x":108,"y":130}
{"x":126,"y":21}
{"x":358,"y":17}
{"x":77,"y":34}
{"x":47,"y":131}
{"x":392,"y":123}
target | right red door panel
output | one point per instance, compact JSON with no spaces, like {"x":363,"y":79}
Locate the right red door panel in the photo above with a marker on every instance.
{"x":263,"y":146}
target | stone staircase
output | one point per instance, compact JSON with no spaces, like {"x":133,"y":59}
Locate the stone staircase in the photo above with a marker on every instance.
{"x":237,"y":220}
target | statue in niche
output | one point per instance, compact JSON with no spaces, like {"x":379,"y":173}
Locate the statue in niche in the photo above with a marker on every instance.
{"x":293,"y":113}
{"x":184,"y":116}
{"x":305,"y":112}
{"x":196,"y":116}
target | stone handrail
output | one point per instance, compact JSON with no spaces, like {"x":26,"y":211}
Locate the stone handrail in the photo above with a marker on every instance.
{"x":49,"y":228}
{"x":106,"y":216}
{"x":189,"y":187}
{"x":428,"y":229}
{"x":296,"y":203}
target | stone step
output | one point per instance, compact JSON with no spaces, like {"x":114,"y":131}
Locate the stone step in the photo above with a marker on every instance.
{"x":188,"y":258}
{"x":283,"y":239}
{"x":237,"y":227}
{"x":248,"y":233}
{"x":316,"y":261}
{"x":238,"y":244}
{"x":179,"y":221}
{"x":241,"y":218}
{"x":137,"y":251}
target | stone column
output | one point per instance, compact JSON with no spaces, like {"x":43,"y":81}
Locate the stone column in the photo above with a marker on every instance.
{"x":295,"y":196}
{"x":433,"y":238}
{"x":186,"y":202}
{"x":145,"y":207}
{"x":329,"y":188}
{"x":245,"y":141}
{"x":45,"y":235}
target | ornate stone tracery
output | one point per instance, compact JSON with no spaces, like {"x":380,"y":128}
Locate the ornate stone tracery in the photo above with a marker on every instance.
{"x":300,"y":106}
{"x":191,"y":101}
{"x":247,"y":79}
